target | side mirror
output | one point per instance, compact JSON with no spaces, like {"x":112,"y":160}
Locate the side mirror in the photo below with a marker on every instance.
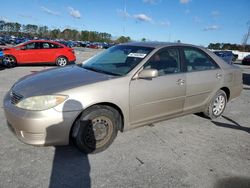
{"x":148,"y":74}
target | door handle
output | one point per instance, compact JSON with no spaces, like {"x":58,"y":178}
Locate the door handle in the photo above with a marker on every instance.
{"x":180,"y":82}
{"x":218,"y":75}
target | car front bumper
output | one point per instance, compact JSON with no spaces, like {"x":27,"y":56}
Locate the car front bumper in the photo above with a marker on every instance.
{"x":45,"y":128}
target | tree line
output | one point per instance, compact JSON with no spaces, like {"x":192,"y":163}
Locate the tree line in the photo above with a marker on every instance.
{"x":228,"y":46}
{"x":31,"y":31}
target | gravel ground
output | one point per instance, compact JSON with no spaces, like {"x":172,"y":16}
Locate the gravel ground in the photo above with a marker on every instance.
{"x":184,"y":152}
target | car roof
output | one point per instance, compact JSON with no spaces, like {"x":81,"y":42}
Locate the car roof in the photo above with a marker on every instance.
{"x":46,"y":41}
{"x":158,"y":44}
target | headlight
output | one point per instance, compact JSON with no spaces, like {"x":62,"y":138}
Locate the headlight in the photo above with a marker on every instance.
{"x":43,"y":102}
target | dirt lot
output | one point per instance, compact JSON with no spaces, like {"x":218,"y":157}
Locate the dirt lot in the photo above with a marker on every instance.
{"x":185,"y":152}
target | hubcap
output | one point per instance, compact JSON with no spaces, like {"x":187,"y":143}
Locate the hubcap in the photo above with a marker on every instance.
{"x":62,"y":61}
{"x":9,"y":61}
{"x":219,"y":105}
{"x":99,"y":132}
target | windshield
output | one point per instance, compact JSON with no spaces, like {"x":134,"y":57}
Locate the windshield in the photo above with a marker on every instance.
{"x":20,"y":44}
{"x":118,"y":60}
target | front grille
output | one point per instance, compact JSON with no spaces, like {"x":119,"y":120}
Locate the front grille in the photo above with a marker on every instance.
{"x":15,"y":98}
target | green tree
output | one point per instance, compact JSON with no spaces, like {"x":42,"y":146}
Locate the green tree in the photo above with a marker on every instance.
{"x":123,"y":39}
{"x":30,"y":28}
{"x":43,"y":31}
{"x":55,"y":33}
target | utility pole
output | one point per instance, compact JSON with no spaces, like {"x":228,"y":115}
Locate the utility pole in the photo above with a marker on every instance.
{"x":125,"y":17}
{"x":246,"y":36}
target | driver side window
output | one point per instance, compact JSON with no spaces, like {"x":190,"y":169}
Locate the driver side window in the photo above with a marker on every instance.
{"x":166,"y":61}
{"x":30,"y":46}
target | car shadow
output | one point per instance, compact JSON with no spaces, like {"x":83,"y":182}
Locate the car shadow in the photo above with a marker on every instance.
{"x":233,"y":182}
{"x":70,"y":167}
{"x":246,"y":79}
{"x":232,"y":125}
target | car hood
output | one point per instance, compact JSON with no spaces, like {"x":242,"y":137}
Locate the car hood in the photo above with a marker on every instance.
{"x":57,"y":80}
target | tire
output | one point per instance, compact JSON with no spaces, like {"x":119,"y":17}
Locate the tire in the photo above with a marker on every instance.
{"x":9,"y":61}
{"x":61,"y":61}
{"x":217,"y":105}
{"x":96,"y":129}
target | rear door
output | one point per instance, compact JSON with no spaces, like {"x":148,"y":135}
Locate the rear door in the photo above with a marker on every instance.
{"x":48,"y":52}
{"x":161,"y":96}
{"x":204,"y":77}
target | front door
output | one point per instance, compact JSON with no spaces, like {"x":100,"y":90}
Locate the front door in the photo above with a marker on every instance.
{"x":161,"y":96}
{"x":29,"y":53}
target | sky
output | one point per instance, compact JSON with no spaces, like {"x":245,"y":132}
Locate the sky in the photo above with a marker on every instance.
{"x":197,"y":22}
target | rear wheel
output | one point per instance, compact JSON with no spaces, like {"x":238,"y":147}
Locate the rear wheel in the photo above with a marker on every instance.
{"x":9,"y":61}
{"x":217,"y":105}
{"x":61,"y":61}
{"x":96,"y":129}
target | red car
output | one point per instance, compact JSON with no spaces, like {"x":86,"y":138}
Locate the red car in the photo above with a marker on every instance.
{"x":39,"y":51}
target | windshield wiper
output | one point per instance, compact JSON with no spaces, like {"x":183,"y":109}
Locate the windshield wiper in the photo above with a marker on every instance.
{"x":100,"y":71}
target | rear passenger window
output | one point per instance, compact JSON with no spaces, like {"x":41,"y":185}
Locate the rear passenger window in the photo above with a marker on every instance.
{"x":196,"y":60}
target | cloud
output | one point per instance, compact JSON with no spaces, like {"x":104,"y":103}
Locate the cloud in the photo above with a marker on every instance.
{"x":184,"y":1}
{"x":165,"y":23}
{"x":2,"y":18}
{"x":211,"y":28}
{"x":152,"y":2}
{"x":26,"y":16}
{"x":197,"y":19}
{"x":142,"y":18}
{"x":187,"y":11}
{"x":48,"y":11}
{"x":74,"y":13}
{"x":215,"y":13}
{"x":123,"y":13}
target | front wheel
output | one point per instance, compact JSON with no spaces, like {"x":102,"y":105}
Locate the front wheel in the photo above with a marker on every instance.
{"x":217,"y":105}
{"x":61,"y":61}
{"x":96,"y":129}
{"x":9,"y":61}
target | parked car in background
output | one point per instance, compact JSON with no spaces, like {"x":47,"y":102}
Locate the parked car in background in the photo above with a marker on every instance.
{"x":246,"y":60}
{"x":225,"y":55}
{"x":1,"y":57}
{"x":126,"y":86}
{"x":67,"y":43}
{"x":20,"y":40}
{"x":235,"y":57}
{"x":93,"y":45}
{"x":39,"y":51}
{"x":2,"y":42}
